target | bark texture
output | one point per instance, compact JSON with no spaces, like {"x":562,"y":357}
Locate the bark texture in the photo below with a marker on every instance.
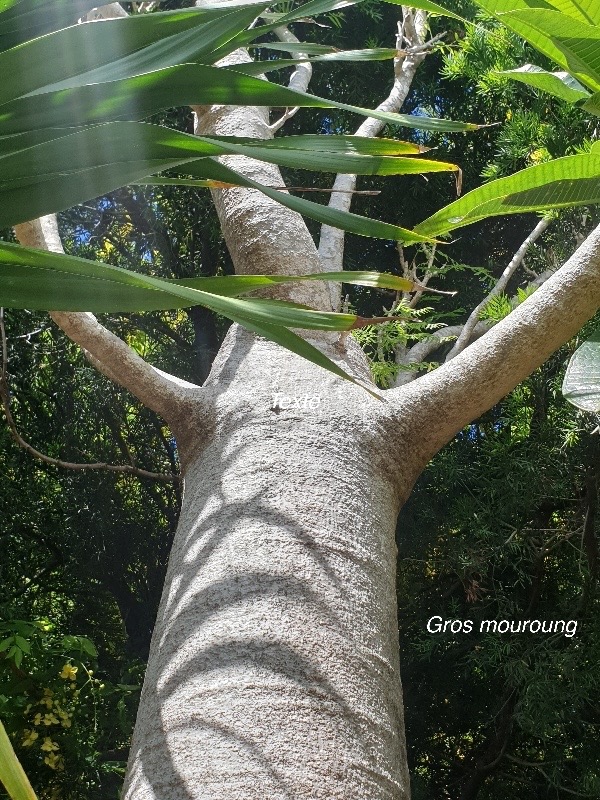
{"x":274,"y":670}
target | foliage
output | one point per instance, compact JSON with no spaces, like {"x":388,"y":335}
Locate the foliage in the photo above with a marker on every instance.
{"x":500,"y":527}
{"x":50,"y":702}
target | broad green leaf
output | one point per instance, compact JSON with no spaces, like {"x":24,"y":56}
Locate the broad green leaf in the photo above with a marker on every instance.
{"x":312,"y":154}
{"x":581,"y":385}
{"x":559,"y":84}
{"x":12,"y":774}
{"x":235,"y":285}
{"x":592,"y":106}
{"x":62,"y":172}
{"x":352,"y":223}
{"x":25,"y":20}
{"x":433,"y":8}
{"x":79,"y":49}
{"x":189,"y":46}
{"x":310,"y":48}
{"x":313,"y":9}
{"x":58,"y":174}
{"x":335,"y":143}
{"x":260,"y":67}
{"x":572,"y":44}
{"x":181,"y":85}
{"x":36,"y":280}
{"x":564,"y":182}
{"x":582,"y":10}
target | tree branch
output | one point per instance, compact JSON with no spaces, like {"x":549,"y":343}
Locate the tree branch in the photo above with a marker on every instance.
{"x":163,"y":393}
{"x":467,"y":331}
{"x":450,"y":397}
{"x":421,"y":351}
{"x":109,"y":11}
{"x":257,"y":230}
{"x":411,"y":32}
{"x":300,"y":77}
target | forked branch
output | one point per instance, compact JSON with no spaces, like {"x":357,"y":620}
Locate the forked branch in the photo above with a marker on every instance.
{"x":165,"y":394}
{"x":450,"y":397}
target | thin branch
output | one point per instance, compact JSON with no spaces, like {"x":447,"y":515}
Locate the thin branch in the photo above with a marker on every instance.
{"x":57,"y":462}
{"x":450,"y":397}
{"x":288,"y":114}
{"x":467,"y":331}
{"x":412,"y":50}
{"x":554,"y":785}
{"x":303,"y":73}
{"x":421,"y":351}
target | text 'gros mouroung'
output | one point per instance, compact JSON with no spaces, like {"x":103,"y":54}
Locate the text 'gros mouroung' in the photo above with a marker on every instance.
{"x":566,"y":627}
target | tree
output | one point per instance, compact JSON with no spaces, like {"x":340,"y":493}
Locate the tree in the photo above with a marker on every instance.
{"x":274,"y":665}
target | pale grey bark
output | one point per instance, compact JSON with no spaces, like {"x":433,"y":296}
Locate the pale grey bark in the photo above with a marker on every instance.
{"x":274,"y":664}
{"x":412,"y":33}
{"x":421,"y":351}
{"x":466,"y":334}
{"x":109,"y":11}
{"x":163,"y":393}
{"x":445,"y":400}
{"x":274,"y":667}
{"x":274,"y":238}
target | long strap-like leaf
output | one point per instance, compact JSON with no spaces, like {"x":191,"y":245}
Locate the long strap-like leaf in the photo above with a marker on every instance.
{"x":12,"y":774}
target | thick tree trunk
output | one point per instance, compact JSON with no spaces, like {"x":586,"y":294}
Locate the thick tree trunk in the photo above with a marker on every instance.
{"x":274,"y":670}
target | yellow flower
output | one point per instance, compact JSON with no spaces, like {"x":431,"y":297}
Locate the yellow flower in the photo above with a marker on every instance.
{"x":37,"y":720}
{"x":48,"y":745}
{"x":54,"y":761}
{"x":51,"y":719}
{"x":30,"y":737}
{"x":27,"y":710}
{"x":69,"y":672}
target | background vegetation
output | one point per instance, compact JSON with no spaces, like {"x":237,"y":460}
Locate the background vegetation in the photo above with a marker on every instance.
{"x":503,"y":524}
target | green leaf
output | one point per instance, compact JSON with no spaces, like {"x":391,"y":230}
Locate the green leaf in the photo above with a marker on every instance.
{"x":353,"y":223}
{"x":181,"y":85}
{"x":140,"y":43}
{"x":23,"y":644}
{"x":592,"y":106}
{"x":313,"y":9}
{"x":559,"y":84}
{"x":433,"y":8}
{"x":59,"y":173}
{"x":572,"y":44}
{"x":334,"y":143}
{"x":12,"y":774}
{"x":581,"y":385}
{"x":564,"y":182}
{"x":314,"y":153}
{"x":39,"y":279}
{"x":235,"y":285}
{"x":260,"y":67}
{"x":582,"y":10}
{"x":35,"y":279}
{"x":25,"y":19}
